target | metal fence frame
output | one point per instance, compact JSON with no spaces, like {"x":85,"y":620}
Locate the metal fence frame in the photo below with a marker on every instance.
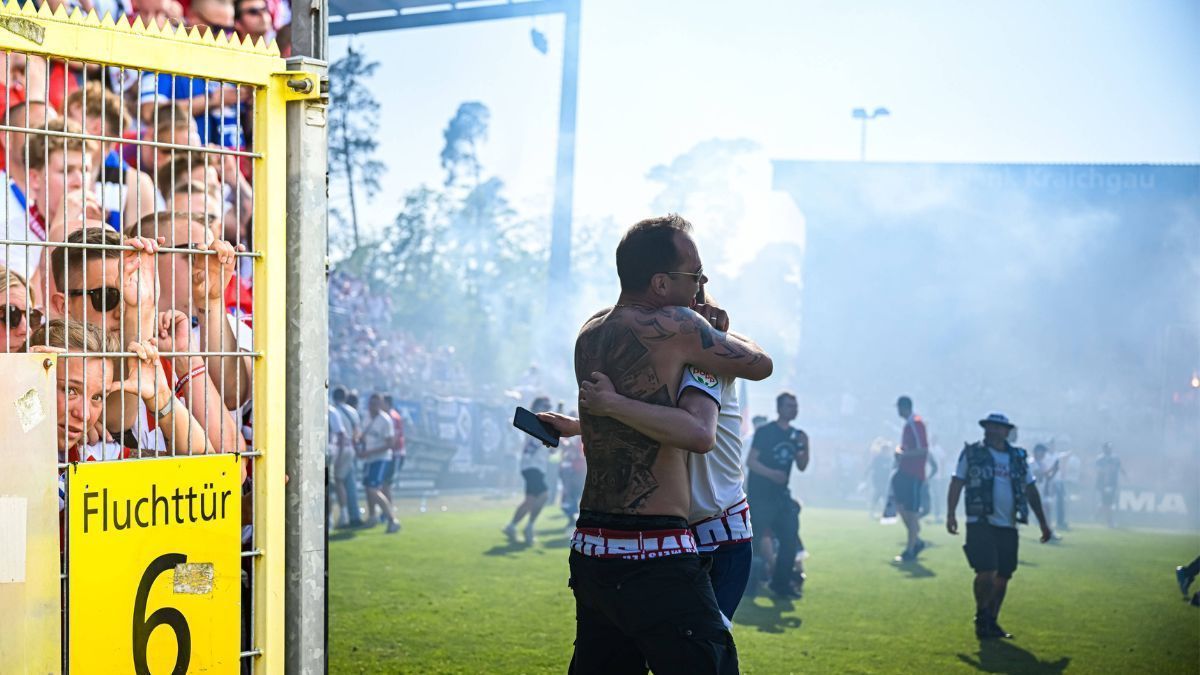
{"x":87,"y":38}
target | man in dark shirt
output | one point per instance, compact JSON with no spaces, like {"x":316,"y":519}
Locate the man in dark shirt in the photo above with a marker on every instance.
{"x":775,"y":447}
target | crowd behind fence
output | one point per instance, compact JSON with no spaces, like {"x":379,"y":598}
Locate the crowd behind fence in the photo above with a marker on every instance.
{"x":129,"y":249}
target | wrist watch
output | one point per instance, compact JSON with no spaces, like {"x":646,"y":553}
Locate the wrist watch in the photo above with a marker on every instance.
{"x":166,"y":409}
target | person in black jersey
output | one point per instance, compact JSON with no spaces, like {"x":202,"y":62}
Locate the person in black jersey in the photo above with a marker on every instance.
{"x":776,"y":446}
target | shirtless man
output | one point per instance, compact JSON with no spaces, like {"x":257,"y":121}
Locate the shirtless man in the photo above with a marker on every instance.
{"x":707,"y":410}
{"x":641,"y":593}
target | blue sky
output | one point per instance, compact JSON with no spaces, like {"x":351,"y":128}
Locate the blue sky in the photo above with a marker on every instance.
{"x":993,"y":81}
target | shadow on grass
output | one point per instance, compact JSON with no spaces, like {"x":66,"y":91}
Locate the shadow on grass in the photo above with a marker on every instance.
{"x":913,"y":569}
{"x":342,"y":535}
{"x":1001,"y":656}
{"x":768,"y":619}
{"x":507,"y":548}
{"x":556,"y":542}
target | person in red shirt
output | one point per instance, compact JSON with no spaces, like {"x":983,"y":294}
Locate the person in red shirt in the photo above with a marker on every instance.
{"x":908,"y":481}
{"x":398,"y":452}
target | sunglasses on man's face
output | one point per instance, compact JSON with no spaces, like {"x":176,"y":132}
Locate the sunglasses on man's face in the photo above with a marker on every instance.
{"x":13,"y":316}
{"x":104,"y":299}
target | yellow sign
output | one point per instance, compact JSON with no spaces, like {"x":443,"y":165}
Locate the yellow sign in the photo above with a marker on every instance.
{"x":155,"y":565}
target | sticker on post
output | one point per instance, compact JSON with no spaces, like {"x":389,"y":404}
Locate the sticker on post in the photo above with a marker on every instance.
{"x":193,"y":578}
{"x":29,"y":410}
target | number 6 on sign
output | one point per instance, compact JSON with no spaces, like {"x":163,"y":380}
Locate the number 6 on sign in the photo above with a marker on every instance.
{"x":154,"y":566}
{"x":142,"y":628}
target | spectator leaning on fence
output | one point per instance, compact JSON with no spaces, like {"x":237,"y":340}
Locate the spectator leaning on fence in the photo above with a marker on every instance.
{"x":110,"y":288}
{"x":82,"y":398}
{"x":118,"y":292}
{"x":193,"y":318}
{"x":82,"y":383}
{"x":194,"y":284}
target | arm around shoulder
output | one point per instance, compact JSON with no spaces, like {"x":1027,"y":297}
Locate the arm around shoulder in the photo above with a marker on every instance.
{"x":726,"y":354}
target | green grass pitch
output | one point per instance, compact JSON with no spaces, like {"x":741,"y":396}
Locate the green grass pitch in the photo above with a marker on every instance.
{"x":449,"y":595}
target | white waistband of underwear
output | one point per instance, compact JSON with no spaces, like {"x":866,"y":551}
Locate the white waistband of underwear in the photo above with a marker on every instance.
{"x":731,"y":526}
{"x":631,"y":544}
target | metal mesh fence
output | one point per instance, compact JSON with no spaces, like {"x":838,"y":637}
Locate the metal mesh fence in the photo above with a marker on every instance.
{"x":128,"y":251}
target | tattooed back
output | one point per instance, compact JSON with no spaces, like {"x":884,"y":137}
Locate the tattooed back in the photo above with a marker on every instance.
{"x":627,"y":471}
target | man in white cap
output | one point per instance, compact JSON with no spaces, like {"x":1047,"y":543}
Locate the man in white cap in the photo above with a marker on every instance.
{"x":1000,"y":492}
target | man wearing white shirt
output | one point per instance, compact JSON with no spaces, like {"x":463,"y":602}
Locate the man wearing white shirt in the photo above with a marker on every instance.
{"x":378,"y":436}
{"x":1000,"y":492}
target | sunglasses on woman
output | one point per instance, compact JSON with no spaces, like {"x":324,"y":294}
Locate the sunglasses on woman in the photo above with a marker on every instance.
{"x":14,"y":315}
{"x":104,"y":298}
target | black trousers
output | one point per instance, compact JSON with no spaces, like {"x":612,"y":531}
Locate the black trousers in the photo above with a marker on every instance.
{"x":660,"y":614}
{"x":779,"y":514}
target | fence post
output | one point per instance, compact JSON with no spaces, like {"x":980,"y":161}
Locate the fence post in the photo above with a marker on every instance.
{"x":307,"y":381}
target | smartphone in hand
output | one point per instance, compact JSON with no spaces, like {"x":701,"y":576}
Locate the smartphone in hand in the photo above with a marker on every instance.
{"x":530,"y":424}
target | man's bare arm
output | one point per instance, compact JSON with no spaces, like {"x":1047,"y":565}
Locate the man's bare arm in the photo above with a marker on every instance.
{"x":956,"y":486}
{"x":692,"y":426}
{"x":726,"y":354}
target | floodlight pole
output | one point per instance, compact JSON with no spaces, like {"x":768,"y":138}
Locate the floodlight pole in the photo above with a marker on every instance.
{"x":862,"y":143}
{"x":862,"y":115}
{"x":564,"y":173}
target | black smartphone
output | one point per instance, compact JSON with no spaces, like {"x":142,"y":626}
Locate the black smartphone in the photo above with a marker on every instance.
{"x":530,"y":424}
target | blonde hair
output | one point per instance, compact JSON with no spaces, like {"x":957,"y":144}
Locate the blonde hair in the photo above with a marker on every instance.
{"x":75,"y":336}
{"x":13,"y":279}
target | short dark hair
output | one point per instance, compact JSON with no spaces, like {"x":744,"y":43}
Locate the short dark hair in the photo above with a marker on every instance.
{"x":352,"y":399}
{"x":904,"y":402}
{"x":649,"y":248}
{"x":63,"y":257}
{"x":782,"y":397}
{"x":338,"y":394}
{"x":388,"y":401}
